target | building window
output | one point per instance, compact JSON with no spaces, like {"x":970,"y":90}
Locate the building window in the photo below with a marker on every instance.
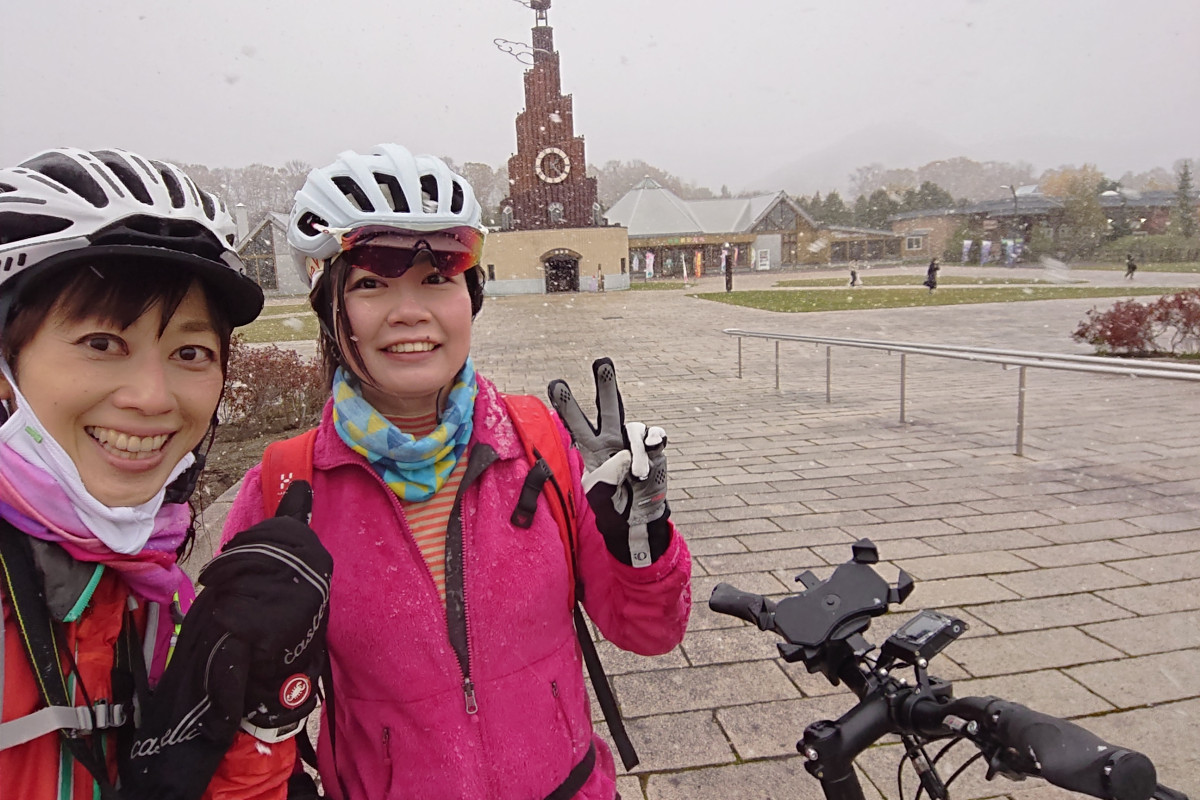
{"x":622,"y":266}
{"x":914,"y":243}
{"x":506,"y":218}
{"x":555,"y":210}
{"x":491,"y":272}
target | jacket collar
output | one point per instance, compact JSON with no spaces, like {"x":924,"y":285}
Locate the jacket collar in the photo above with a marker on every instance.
{"x":492,"y":426}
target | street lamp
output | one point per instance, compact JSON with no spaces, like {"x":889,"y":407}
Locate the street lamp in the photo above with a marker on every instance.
{"x":1016,"y":223}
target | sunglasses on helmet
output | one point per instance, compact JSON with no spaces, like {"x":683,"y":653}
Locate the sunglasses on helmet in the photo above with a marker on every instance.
{"x":389,"y":252}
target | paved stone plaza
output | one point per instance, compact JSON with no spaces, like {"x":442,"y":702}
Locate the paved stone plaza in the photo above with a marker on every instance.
{"x":1077,"y":565}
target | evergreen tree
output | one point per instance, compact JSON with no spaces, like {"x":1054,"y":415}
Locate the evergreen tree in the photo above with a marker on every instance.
{"x":834,"y":211}
{"x":1185,"y":206}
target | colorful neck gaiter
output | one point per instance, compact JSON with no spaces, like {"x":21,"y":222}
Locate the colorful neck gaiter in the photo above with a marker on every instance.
{"x":33,"y":501}
{"x":414,"y":468}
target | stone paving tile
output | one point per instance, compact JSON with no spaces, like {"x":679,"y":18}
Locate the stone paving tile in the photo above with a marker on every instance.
{"x":892,"y":549}
{"x":1065,"y":555}
{"x":994,"y":562}
{"x":797,"y":559}
{"x":728,"y":645}
{"x":1066,"y":580}
{"x":911,"y":511}
{"x":1162,"y":569}
{"x":870,"y":503}
{"x":768,"y":510}
{"x":958,"y":591}
{"x":758,"y":582}
{"x":1090,"y":531}
{"x":987,"y":540}
{"x":880,"y":531}
{"x":766,"y":730}
{"x":769,"y":779}
{"x":618,"y":662}
{"x":1033,"y":650}
{"x":1159,"y":598}
{"x":799,"y":538}
{"x":706,"y":547}
{"x":677,"y":741}
{"x":999,"y":522}
{"x":1046,"y":504}
{"x":1150,"y":634}
{"x":1049,"y":612}
{"x":1164,"y":543}
{"x":1048,"y":691}
{"x":705,"y":687}
{"x":1146,"y":680}
{"x":704,"y":530}
{"x":1158,"y":732}
{"x":1163,"y":523}
{"x":1092,"y":513}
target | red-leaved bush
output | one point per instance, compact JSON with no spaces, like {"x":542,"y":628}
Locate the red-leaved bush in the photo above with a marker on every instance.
{"x":272,"y":387}
{"x":1133,"y":328}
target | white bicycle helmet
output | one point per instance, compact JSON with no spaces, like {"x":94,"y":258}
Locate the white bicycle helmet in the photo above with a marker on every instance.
{"x":388,"y":186}
{"x":68,"y":205}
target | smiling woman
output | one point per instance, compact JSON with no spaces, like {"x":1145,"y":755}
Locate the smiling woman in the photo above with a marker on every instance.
{"x":119,"y":293}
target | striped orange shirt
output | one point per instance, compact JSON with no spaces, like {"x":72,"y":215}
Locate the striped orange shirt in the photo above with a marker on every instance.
{"x":429,"y":519}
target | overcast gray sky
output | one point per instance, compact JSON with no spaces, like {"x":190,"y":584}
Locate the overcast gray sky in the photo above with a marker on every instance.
{"x":717,"y":93}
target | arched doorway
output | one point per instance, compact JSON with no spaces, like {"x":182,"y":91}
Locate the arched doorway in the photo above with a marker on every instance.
{"x":561,"y":268}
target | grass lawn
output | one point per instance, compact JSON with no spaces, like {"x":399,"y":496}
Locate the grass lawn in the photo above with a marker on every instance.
{"x":302,"y":326}
{"x":650,"y":286}
{"x":1149,"y":266}
{"x":290,"y":308}
{"x":853,"y":299}
{"x":908,"y":280}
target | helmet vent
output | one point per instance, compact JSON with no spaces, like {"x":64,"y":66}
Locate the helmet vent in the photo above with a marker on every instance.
{"x":209,"y":208}
{"x":126,"y":175}
{"x":192,"y":189}
{"x":172,"y":183}
{"x":145,"y":167}
{"x":4,"y":187}
{"x":353,"y":193}
{"x":308,"y":222}
{"x":70,"y":174}
{"x":429,"y":189}
{"x":392,"y":191}
{"x":17,"y":227}
{"x":456,"y":198}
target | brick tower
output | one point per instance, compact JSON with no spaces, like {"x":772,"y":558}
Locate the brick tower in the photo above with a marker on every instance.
{"x":548,"y":174}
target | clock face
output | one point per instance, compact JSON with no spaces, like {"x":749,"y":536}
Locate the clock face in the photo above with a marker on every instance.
{"x":552,"y":165}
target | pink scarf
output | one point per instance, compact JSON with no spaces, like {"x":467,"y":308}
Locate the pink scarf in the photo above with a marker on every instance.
{"x":41,"y":509}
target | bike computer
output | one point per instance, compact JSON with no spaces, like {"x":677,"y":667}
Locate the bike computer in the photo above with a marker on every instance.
{"x":922,"y":637}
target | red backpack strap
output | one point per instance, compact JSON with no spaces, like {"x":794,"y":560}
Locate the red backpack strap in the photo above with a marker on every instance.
{"x":283,"y":462}
{"x":539,"y":435}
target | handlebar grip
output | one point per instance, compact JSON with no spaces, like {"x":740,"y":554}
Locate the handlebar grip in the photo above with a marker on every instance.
{"x":753,"y":608}
{"x":1070,"y":756}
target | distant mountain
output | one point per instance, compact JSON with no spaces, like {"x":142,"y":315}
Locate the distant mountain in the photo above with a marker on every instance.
{"x":830,"y":167}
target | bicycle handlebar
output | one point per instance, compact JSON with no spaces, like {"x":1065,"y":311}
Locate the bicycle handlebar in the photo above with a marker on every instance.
{"x":1020,"y":741}
{"x":823,"y":625}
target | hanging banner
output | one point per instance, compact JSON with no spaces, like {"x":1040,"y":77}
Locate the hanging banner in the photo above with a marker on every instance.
{"x":697,"y":265}
{"x":649,"y":263}
{"x":966,"y":250}
{"x":985,"y":251}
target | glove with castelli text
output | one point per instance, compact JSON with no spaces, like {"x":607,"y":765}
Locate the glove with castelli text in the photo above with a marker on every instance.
{"x":249,"y":654}
{"x":625,"y":469}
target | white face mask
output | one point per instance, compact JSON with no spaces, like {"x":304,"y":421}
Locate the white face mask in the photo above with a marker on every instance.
{"x":124,"y":529}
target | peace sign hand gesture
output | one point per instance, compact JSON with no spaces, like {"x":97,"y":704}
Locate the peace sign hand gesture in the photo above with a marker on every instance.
{"x":625,"y":469}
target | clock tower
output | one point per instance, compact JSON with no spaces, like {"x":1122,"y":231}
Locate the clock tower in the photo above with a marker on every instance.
{"x":550,"y":187}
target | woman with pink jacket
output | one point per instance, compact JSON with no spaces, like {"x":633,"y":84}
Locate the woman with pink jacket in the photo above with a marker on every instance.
{"x":456,"y":671}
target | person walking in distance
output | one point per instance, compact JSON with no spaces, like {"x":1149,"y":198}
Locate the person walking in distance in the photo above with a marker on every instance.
{"x":931,"y":275}
{"x":1130,"y":266}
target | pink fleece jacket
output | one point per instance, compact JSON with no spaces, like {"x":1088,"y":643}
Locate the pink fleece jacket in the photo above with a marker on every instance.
{"x":404,"y":727}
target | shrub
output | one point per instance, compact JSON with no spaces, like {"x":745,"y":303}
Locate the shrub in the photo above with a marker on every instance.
{"x":271,"y":388}
{"x":1133,"y":328}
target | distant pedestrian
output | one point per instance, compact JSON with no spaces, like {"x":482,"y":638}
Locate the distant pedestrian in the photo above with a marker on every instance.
{"x":1130,"y":266}
{"x":854,"y":277}
{"x":931,"y":275}
{"x":727,"y":263}
{"x":599,"y":279}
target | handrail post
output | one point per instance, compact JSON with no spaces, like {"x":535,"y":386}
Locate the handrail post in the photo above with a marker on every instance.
{"x":828,"y":372}
{"x":903,"y":366}
{"x":739,"y":356}
{"x":1021,"y":414}
{"x":777,"y":365}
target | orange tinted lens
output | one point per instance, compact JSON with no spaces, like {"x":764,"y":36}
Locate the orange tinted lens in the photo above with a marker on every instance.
{"x":389,"y":252}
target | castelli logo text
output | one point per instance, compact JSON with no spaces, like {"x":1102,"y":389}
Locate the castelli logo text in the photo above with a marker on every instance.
{"x":295,"y":691}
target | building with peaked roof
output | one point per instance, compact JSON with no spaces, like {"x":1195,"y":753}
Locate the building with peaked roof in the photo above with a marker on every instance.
{"x":268,"y":258}
{"x":765,"y":231}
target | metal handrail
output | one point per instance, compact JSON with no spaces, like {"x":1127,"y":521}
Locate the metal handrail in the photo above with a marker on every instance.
{"x":1134,"y":368}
